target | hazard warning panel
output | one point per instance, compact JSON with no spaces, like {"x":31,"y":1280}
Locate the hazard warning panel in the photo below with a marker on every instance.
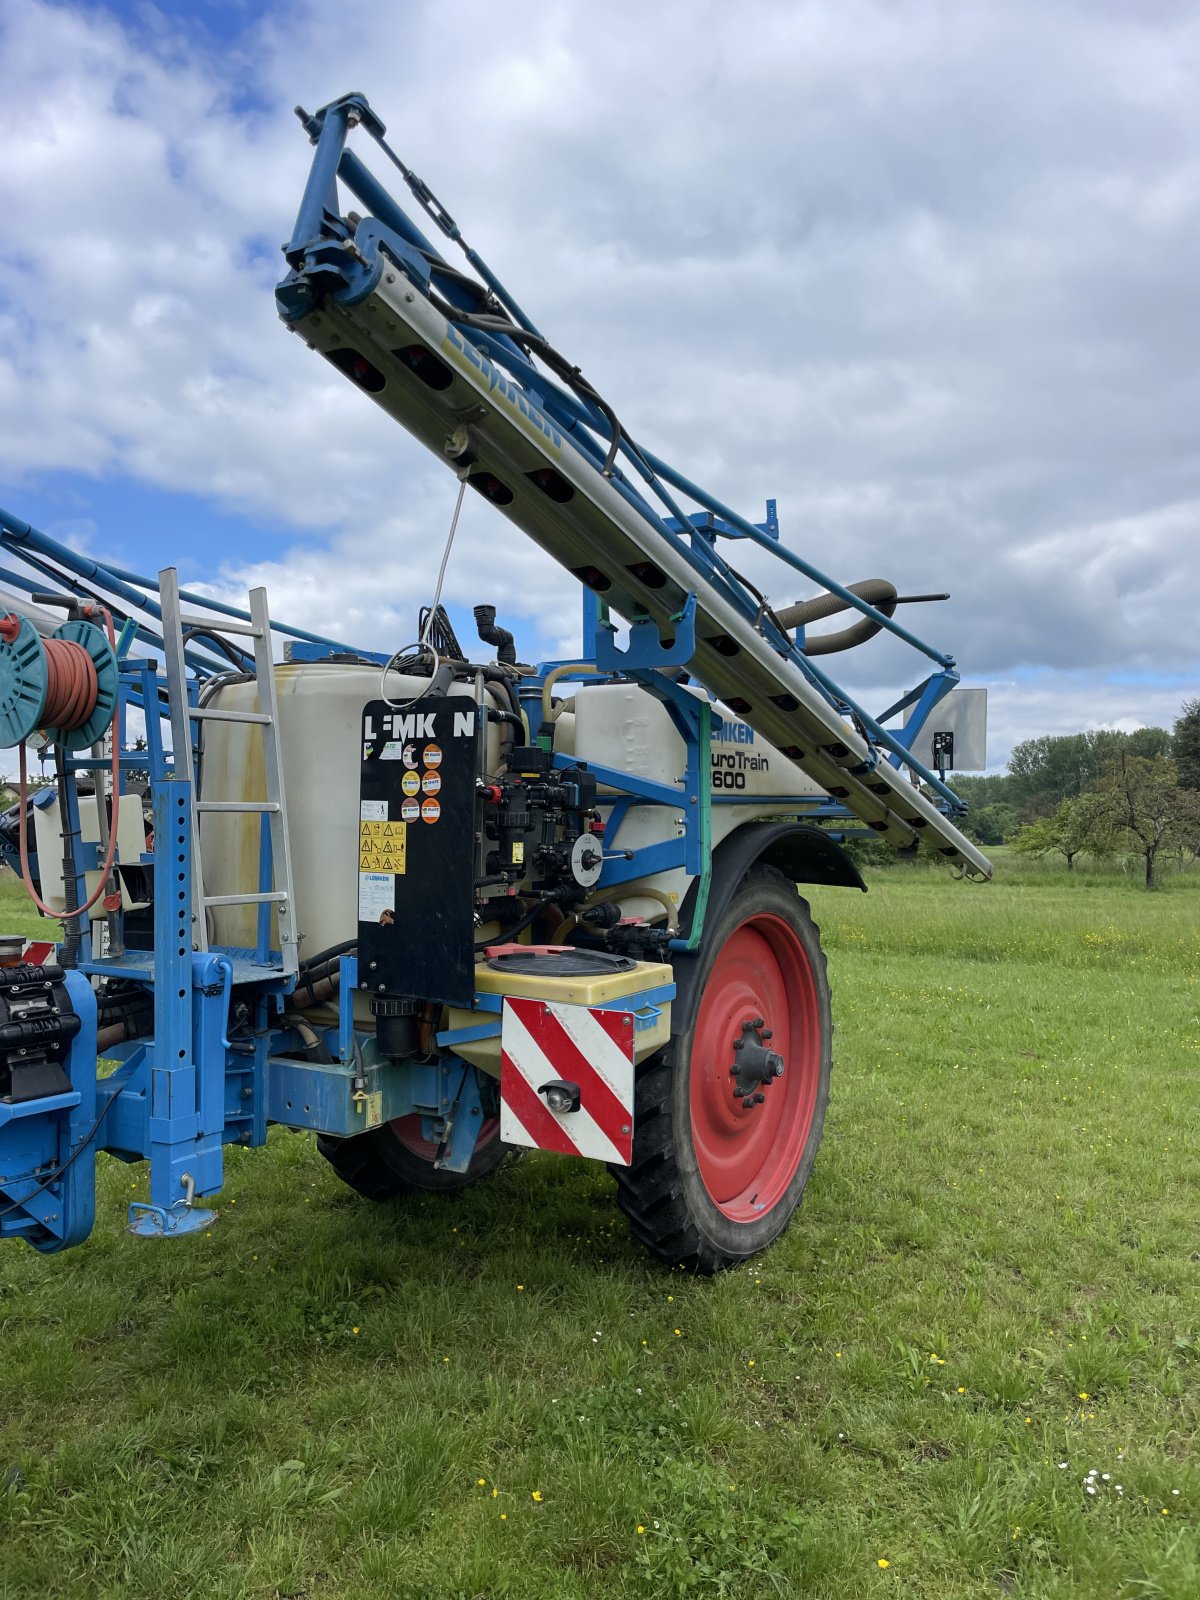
{"x":591,"y":1051}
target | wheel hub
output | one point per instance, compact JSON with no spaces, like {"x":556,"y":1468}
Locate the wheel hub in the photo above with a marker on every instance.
{"x":753,"y":1064}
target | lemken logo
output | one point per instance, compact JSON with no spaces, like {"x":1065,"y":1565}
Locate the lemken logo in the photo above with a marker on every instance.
{"x":731,"y":732}
{"x":464,"y":355}
{"x":417,"y":725}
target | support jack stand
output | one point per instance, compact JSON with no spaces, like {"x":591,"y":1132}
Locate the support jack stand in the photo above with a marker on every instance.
{"x":148,"y":1221}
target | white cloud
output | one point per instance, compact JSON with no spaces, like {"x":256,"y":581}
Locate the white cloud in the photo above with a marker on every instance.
{"x":926,"y":276}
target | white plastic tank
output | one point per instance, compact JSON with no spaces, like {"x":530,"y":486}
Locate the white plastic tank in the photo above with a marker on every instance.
{"x":623,"y":726}
{"x":320,"y":722}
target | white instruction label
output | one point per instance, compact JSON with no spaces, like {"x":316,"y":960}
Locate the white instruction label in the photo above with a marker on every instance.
{"x":376,"y":897}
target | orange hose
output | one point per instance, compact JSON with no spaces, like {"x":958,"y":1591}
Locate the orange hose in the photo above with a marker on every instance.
{"x":70,"y":699}
{"x":71,"y":685}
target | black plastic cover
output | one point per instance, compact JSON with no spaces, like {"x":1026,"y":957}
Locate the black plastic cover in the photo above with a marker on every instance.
{"x":561,"y":963}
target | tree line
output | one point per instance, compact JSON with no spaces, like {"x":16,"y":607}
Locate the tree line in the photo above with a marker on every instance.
{"x":1096,"y":794}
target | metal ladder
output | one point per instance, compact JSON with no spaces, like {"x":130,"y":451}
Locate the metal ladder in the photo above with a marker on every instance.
{"x":183,"y":714}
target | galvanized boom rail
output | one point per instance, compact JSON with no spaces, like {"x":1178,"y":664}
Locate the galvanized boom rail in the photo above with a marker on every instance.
{"x":449,"y":359}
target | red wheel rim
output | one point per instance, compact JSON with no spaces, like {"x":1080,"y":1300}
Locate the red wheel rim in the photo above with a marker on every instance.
{"x":409,"y":1133}
{"x":748,"y":1155}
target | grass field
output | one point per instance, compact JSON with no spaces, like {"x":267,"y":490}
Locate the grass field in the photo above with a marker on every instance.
{"x":990,"y":1292}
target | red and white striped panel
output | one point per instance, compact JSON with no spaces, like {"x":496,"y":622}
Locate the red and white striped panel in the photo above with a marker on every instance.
{"x":37,"y":952}
{"x":541,"y":1041}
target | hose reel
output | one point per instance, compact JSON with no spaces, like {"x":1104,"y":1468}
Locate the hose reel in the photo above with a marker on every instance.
{"x":64,"y":687}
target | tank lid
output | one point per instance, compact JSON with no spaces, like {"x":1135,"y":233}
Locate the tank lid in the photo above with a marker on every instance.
{"x":556,"y":961}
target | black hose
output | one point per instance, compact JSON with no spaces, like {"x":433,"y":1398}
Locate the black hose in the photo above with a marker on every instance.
{"x":234,"y":656}
{"x":324,"y":958}
{"x":558,"y":364}
{"x":519,"y":925}
{"x":488,"y":630}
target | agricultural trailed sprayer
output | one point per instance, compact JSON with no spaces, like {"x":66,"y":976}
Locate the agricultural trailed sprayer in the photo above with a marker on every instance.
{"x":431,"y":907}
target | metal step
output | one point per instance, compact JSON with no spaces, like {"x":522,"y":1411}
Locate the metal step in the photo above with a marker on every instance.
{"x":251,"y":630}
{"x":215,"y":714}
{"x":238,"y":806}
{"x":257,"y":898}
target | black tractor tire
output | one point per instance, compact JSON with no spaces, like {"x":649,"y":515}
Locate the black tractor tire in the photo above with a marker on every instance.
{"x":381,"y":1165}
{"x":709,"y":1185}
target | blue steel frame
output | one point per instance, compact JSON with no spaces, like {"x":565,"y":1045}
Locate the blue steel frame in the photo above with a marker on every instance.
{"x":222,"y":1063}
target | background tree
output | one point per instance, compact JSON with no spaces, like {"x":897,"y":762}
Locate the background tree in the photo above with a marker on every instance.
{"x":1055,"y":767}
{"x":1144,"y":803}
{"x":991,"y":824}
{"x":1079,"y":827}
{"x":1187,"y":744}
{"x":982,"y":789}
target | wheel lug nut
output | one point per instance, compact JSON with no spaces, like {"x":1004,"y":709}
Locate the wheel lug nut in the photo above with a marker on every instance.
{"x":767,"y":1033}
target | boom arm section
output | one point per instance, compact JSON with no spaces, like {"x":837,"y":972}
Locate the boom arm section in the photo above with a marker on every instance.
{"x":451,"y":359}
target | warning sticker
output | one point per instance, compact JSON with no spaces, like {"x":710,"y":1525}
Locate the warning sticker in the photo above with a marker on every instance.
{"x":430,"y":811}
{"x":411,"y":783}
{"x":373,"y":810}
{"x":382,"y":846}
{"x":411,"y":811}
{"x":376,"y":898}
{"x":431,"y":782}
{"x":432,"y":755}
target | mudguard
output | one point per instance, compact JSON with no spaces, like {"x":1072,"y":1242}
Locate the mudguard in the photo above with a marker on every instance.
{"x":801,"y":852}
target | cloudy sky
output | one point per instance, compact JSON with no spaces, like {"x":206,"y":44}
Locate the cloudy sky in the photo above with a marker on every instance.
{"x":925,"y":272}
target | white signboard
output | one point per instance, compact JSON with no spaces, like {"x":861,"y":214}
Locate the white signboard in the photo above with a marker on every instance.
{"x":961,"y":720}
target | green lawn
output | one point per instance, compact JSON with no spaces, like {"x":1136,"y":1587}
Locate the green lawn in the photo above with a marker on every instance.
{"x":990,"y":1291}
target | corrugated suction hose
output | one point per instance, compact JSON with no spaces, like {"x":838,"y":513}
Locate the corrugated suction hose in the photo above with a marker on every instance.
{"x":875,"y":591}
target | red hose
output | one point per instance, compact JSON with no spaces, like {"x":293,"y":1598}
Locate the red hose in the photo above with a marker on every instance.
{"x":71,"y":691}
